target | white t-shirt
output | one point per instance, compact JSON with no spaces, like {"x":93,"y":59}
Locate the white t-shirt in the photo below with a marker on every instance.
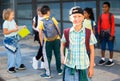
{"x":10,"y":25}
{"x":87,"y":23}
{"x":39,"y":19}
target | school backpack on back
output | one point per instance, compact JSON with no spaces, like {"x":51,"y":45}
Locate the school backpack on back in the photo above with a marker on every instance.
{"x":87,"y":39}
{"x":50,"y":29}
{"x":36,"y":37}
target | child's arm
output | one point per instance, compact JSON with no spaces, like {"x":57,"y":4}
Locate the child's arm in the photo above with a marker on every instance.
{"x":58,"y":29}
{"x":62,"y":52}
{"x":6,"y":31}
{"x":91,"y":68}
{"x":41,"y":36}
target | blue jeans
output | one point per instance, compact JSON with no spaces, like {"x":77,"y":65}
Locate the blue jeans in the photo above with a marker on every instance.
{"x":75,"y":77}
{"x":105,"y":40}
{"x":14,"y":59}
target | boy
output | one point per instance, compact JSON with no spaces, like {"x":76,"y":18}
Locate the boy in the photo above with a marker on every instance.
{"x":76,"y":59}
{"x":106,"y":31}
{"x":49,"y":27}
{"x":39,"y":55}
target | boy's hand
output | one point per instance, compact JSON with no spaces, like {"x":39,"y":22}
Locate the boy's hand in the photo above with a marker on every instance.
{"x":110,"y":38}
{"x":62,"y":59}
{"x":90,"y":71}
{"x":16,"y":29}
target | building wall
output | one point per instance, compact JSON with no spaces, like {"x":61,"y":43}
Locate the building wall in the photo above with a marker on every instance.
{"x":26,"y":9}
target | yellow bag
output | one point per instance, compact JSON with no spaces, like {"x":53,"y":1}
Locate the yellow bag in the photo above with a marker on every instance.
{"x":23,"y":32}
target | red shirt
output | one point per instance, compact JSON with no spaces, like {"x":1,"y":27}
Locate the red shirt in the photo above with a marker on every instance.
{"x":105,"y":24}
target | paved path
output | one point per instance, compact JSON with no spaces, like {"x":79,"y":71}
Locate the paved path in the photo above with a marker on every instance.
{"x":29,"y":49}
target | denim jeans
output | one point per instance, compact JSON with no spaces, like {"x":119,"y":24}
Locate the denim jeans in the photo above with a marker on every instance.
{"x":69,"y":77}
{"x":105,"y":40}
{"x":14,"y":59}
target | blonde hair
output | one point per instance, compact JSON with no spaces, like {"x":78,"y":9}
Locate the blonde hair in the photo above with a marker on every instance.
{"x":6,"y":13}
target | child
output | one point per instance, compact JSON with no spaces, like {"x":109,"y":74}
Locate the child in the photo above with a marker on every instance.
{"x":106,"y":32}
{"x":39,"y":55}
{"x":49,"y":27}
{"x":76,"y":59}
{"x":10,"y":30}
{"x":89,"y":21}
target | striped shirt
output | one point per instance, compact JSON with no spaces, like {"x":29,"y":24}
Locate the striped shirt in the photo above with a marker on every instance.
{"x":76,"y":55}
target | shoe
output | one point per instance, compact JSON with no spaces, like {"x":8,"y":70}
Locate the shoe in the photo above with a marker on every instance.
{"x":109,"y":63}
{"x":42,"y":65}
{"x":22,"y":67}
{"x":11,"y":70}
{"x":45,"y":76}
{"x":35,"y":63}
{"x":60,"y":73}
{"x":101,"y":62}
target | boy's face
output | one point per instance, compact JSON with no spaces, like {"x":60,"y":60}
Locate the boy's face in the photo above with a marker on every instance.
{"x":105,"y":8}
{"x":11,"y":16}
{"x":77,"y":18}
{"x":48,"y":13}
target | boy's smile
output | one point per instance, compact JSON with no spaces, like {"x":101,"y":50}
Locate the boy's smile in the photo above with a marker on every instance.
{"x":77,"y":18}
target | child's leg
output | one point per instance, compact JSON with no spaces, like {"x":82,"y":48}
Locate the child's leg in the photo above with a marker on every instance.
{"x":49,"y":47}
{"x":46,"y":65}
{"x":11,"y":59}
{"x":18,"y":58}
{"x":110,"y":47}
{"x":56,"y":49}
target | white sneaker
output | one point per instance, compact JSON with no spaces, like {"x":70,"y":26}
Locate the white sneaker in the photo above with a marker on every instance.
{"x":42,"y":65}
{"x":35,"y":63}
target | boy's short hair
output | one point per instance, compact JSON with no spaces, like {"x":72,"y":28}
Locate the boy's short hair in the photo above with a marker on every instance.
{"x":45,"y":9}
{"x":107,"y":3}
{"x":76,"y":9}
{"x":6,"y":13}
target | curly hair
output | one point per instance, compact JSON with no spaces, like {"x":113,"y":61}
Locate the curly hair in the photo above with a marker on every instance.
{"x":6,"y":13}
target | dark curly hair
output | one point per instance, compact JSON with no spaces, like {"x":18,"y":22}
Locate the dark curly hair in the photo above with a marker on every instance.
{"x":90,"y":12}
{"x":107,"y":3}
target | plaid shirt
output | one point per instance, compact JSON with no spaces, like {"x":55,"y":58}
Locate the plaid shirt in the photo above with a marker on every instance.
{"x":76,"y":55}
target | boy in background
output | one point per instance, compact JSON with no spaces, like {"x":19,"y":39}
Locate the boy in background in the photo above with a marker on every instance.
{"x":106,"y":32}
{"x":49,"y":27}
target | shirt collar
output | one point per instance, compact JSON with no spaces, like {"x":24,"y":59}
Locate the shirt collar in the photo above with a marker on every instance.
{"x":46,"y":17}
{"x":73,"y":29}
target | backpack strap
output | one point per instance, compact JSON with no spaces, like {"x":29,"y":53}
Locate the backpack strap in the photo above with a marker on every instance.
{"x":66,"y":34}
{"x":92,"y":23}
{"x":36,"y":21}
{"x":110,"y":21}
{"x":87,"y":40}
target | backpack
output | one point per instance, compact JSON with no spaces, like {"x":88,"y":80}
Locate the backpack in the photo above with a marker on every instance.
{"x":36,"y":37}
{"x":87,"y":39}
{"x":50,"y":30}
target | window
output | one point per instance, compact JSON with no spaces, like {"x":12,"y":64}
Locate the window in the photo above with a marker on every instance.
{"x":115,"y":9}
{"x":28,"y":23}
{"x":54,"y":8}
{"x":91,"y":4}
{"x":24,"y":11}
{"x":22,"y":1}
